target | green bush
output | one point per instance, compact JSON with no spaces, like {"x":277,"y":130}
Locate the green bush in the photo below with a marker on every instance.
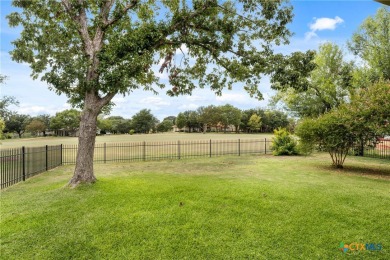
{"x":283,"y":143}
{"x":131,"y":132}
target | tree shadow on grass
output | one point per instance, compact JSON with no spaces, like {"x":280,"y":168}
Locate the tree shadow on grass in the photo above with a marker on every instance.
{"x":362,"y":170}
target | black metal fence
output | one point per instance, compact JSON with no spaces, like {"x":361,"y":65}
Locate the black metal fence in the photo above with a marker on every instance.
{"x":379,"y":149}
{"x":149,"y":151}
{"x":19,"y":164}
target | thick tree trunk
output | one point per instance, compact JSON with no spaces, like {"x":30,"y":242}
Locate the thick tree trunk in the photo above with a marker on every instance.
{"x":87,"y":134}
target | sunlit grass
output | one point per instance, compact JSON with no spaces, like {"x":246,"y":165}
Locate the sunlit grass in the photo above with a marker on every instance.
{"x":216,"y":208}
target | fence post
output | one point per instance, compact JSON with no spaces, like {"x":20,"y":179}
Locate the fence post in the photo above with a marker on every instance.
{"x":265,"y":145}
{"x":47,"y":157}
{"x":61,"y":160}
{"x":210,"y":147}
{"x":144,"y":151}
{"x":239,"y":147}
{"x":105,"y":158}
{"x":23,"y":163}
{"x":178,"y":149}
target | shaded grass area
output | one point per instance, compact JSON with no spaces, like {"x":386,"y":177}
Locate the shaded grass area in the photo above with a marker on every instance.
{"x":220,"y":208}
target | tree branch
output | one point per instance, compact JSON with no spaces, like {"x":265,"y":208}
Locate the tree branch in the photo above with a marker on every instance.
{"x":107,"y":98}
{"x":81,"y":19}
{"x":129,"y":6}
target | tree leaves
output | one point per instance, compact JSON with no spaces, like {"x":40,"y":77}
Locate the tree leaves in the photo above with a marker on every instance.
{"x":79,"y":47}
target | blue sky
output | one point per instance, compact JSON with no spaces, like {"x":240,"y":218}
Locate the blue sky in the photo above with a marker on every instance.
{"x":314,"y":22}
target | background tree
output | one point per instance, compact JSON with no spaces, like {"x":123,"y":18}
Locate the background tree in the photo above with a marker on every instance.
{"x":371,"y":43}
{"x":254,"y":122}
{"x":68,"y":120}
{"x":5,"y":102}
{"x":45,"y":119}
{"x":329,"y":85}
{"x":92,"y":50}
{"x":165,"y":126}
{"x":171,"y":118}
{"x":36,"y":126}
{"x":208,"y":116}
{"x":245,"y":116}
{"x":124,"y":126}
{"x":180,"y":121}
{"x":2,"y":126}
{"x":192,"y":121}
{"x":105,"y":125}
{"x":114,"y":121}
{"x":144,"y":121}
{"x":230,"y":115}
{"x":272,"y":120}
{"x":17,"y":123}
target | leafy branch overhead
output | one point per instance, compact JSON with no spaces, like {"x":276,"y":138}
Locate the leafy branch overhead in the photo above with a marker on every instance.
{"x":109,"y":47}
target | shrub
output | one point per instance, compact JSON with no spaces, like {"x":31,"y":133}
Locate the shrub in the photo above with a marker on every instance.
{"x":330,"y":132}
{"x":283,"y":143}
{"x":131,"y":132}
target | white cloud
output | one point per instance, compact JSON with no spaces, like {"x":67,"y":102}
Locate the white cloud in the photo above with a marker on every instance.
{"x":321,"y":24}
{"x":35,"y":110}
{"x":195,"y":98}
{"x":190,"y":106}
{"x":240,"y":98}
{"x":119,"y":100}
{"x":310,"y":35}
{"x":154,"y":101}
{"x":325,"y":23}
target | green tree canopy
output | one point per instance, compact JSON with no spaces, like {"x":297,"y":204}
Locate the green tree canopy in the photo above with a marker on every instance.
{"x":5,"y":102}
{"x":143,"y":121}
{"x":17,"y":123}
{"x":208,"y":116}
{"x":329,"y":85}
{"x":180,"y":121}
{"x":67,"y":120}
{"x":165,"y":126}
{"x":2,"y":126}
{"x":45,"y":119}
{"x":36,"y":126}
{"x":254,"y":122}
{"x":230,"y":115}
{"x":371,"y":43}
{"x":105,"y":125}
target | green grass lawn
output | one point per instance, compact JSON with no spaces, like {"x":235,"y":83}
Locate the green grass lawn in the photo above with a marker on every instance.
{"x":41,"y":141}
{"x":249,"y":207}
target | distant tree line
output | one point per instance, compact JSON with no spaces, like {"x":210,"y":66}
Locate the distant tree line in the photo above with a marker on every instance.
{"x":204,"y":119}
{"x":220,"y":118}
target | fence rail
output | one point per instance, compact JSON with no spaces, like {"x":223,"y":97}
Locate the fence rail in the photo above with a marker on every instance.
{"x":149,"y":151}
{"x":18,"y":164}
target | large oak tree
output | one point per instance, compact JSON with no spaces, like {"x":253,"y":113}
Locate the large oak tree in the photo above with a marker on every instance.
{"x":91,"y":50}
